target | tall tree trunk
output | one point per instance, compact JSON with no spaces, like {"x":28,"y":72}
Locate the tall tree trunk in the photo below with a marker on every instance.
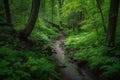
{"x":113,"y":14}
{"x":31,"y":21}
{"x":7,"y":12}
{"x":102,"y":17}
{"x":2,"y":16}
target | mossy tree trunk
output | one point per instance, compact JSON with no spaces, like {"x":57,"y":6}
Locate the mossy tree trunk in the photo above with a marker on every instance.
{"x":113,"y":15}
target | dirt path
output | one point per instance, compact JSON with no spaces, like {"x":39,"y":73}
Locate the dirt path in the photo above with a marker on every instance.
{"x":68,"y":70}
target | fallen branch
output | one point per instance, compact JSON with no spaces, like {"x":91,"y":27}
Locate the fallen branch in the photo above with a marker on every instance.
{"x":53,"y":24}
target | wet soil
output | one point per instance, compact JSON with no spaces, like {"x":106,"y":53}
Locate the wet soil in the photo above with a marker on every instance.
{"x":70,"y":70}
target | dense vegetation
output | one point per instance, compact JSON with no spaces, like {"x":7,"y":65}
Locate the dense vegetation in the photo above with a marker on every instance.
{"x":28,"y":28}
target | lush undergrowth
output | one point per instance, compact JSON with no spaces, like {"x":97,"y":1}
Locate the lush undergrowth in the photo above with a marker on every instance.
{"x":26,"y":60}
{"x":89,"y":43}
{"x":84,"y":23}
{"x":91,"y":47}
{"x":30,"y":59}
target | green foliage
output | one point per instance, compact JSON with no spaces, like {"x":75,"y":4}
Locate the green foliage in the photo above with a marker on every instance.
{"x":20,"y":60}
{"x":5,"y":35}
{"x":11,"y":67}
{"x":111,"y":70}
{"x":42,"y":68}
{"x":42,"y":29}
{"x":89,"y":43}
{"x":17,"y":65}
{"x":82,"y":23}
{"x":42,"y":35}
{"x":88,"y":47}
{"x":82,"y":40}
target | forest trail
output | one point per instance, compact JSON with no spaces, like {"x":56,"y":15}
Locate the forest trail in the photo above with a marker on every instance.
{"x":69,"y":70}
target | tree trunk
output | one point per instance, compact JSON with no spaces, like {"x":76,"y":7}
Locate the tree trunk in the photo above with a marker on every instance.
{"x":31,"y":21}
{"x":102,"y":17}
{"x":113,"y":14}
{"x":7,"y":12}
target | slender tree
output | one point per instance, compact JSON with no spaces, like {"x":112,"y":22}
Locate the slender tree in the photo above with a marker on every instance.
{"x":113,"y":14}
{"x":31,"y":21}
{"x":7,"y":12}
{"x":1,"y":12}
{"x":102,"y":17}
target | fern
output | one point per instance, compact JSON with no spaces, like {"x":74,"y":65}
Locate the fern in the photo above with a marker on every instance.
{"x":111,"y":70}
{"x":18,"y":65}
{"x":42,"y":67}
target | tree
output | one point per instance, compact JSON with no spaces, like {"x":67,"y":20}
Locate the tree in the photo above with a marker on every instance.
{"x":31,"y":21}
{"x":102,"y":17}
{"x":1,"y":12}
{"x":7,"y":12}
{"x":113,"y":14}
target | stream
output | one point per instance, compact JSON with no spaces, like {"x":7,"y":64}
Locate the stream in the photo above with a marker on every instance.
{"x":70,"y":70}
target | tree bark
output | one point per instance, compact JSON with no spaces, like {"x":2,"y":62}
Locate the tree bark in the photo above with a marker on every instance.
{"x":31,"y":21}
{"x":113,"y":14}
{"x":7,"y":12}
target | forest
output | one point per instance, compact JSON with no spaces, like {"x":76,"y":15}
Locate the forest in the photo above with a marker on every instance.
{"x":59,"y":40}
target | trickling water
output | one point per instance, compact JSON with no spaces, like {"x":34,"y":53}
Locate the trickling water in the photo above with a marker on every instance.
{"x":70,"y":71}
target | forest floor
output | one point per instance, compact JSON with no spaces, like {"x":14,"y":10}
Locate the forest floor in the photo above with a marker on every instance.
{"x":67,"y":69}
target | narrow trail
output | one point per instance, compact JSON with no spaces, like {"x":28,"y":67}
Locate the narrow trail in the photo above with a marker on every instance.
{"x":69,"y":72}
{"x":67,"y":69}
